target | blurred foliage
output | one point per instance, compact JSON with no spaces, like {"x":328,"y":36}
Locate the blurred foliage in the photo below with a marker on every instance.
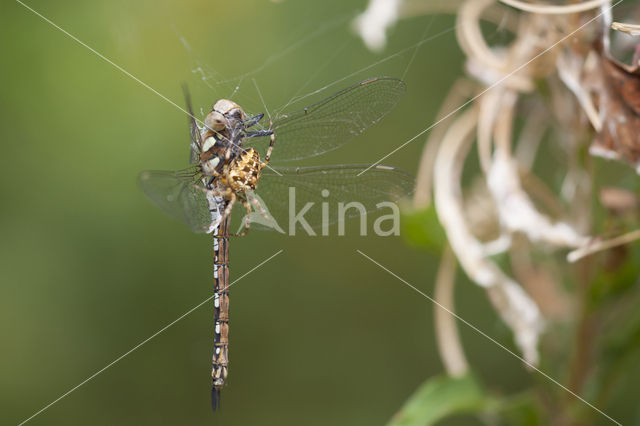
{"x":618,"y":271}
{"x":422,"y":229}
{"x":441,"y":397}
{"x":438,"y":398}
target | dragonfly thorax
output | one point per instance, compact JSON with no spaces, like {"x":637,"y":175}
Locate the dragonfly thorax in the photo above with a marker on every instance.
{"x":213,"y":155}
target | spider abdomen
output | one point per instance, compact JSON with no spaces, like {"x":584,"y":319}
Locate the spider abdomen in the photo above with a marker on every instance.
{"x":244,"y":171}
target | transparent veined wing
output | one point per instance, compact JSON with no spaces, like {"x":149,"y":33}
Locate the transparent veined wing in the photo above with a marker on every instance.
{"x":176,"y":193}
{"x":334,"y":121}
{"x":287,"y":194}
{"x":195,"y":148}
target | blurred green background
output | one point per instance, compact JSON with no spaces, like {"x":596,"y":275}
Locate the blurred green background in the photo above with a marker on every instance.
{"x":90,"y":268}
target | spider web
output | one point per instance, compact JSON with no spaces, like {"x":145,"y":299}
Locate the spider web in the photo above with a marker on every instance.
{"x":246,"y":88}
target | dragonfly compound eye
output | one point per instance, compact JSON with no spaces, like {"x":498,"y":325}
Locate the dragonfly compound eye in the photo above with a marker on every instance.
{"x":215,"y":121}
{"x":229,"y":109}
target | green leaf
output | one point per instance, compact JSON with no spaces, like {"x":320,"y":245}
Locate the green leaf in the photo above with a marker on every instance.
{"x":611,"y":284}
{"x":521,"y":409}
{"x":422,"y":228}
{"x":439,"y":397}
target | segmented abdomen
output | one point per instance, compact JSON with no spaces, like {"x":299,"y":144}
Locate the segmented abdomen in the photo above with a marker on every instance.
{"x":220,"y":360}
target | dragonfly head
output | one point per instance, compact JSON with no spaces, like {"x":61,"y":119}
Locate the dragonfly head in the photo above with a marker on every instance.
{"x":224,"y":115}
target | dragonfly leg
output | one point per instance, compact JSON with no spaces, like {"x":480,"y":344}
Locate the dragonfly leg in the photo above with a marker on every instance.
{"x":253,"y":120}
{"x":257,"y":133}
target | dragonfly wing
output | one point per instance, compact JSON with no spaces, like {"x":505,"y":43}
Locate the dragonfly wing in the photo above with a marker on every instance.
{"x":194,"y":129}
{"x":178,"y":195}
{"x":260,"y":217}
{"x":288,"y":194}
{"x":334,"y":121}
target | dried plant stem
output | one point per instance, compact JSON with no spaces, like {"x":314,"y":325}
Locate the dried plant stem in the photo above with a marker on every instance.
{"x":495,"y":13}
{"x":462,"y":90}
{"x":489,"y":110}
{"x":449,"y":344}
{"x":540,"y":281}
{"x":503,"y":132}
{"x":631,"y":29}
{"x":470,"y":36}
{"x":580,"y":364}
{"x":595,"y":245}
{"x":571,"y":69}
{"x":531,"y":137}
{"x":513,"y":305}
{"x":548,"y":9}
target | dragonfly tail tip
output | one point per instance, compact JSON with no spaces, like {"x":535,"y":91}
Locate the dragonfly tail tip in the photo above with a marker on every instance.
{"x":215,"y":398}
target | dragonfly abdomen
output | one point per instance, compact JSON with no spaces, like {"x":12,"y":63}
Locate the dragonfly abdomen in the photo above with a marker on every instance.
{"x":220,"y":361}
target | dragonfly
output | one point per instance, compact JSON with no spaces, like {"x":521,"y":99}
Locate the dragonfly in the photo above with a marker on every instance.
{"x":227,"y":170}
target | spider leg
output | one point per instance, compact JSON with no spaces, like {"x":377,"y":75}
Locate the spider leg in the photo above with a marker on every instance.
{"x":213,"y":177}
{"x":267,"y":156}
{"x":247,"y":222}
{"x":231,"y":196}
{"x":207,"y":188}
{"x":254,"y":201}
{"x":227,"y":194}
{"x":232,"y":200}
